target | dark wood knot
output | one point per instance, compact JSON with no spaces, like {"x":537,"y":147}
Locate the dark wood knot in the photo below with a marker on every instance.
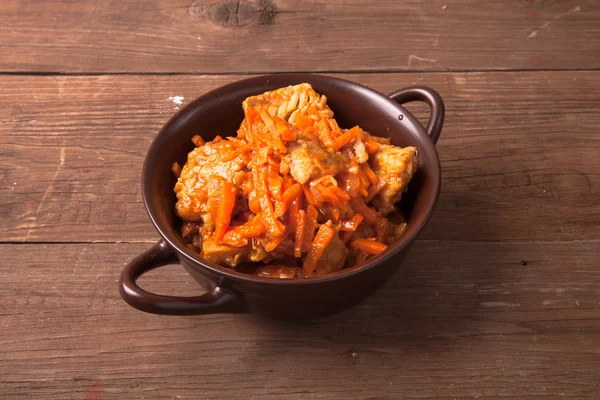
{"x":234,"y":13}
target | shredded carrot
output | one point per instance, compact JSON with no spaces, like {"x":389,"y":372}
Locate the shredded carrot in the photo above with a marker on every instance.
{"x":294,"y":209}
{"x":310,"y":226}
{"x":250,"y":229}
{"x":309,"y":195}
{"x":303,"y":122}
{"x":373,"y":179}
{"x":284,"y":131}
{"x":333,"y":195}
{"x":225,"y":209}
{"x":374,"y":190}
{"x":292,"y":193}
{"x":350,"y":183}
{"x":346,"y":236}
{"x":347,"y":137}
{"x":353,"y":223}
{"x":359,"y":206}
{"x":364,"y":181}
{"x":275,"y":182}
{"x":368,"y":246}
{"x":254,"y":205}
{"x":176,"y":168}
{"x":197,"y":140}
{"x":274,"y":227}
{"x":274,"y":243}
{"x":274,"y":162}
{"x":232,"y":238}
{"x":299,"y":239}
{"x":319,"y":245}
{"x":372,"y":146}
{"x":331,"y":212}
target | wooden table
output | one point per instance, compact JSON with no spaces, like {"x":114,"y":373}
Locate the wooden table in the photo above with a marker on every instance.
{"x":500,"y":297}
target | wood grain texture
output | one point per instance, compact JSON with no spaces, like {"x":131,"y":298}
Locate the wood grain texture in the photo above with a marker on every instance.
{"x":242,"y":36}
{"x":460,"y":320}
{"x":519,"y":153}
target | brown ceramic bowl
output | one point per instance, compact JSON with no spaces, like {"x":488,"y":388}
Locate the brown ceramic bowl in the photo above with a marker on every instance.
{"x":219,"y":112}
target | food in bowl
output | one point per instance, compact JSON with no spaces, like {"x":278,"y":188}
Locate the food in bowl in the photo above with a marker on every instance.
{"x":292,"y":195}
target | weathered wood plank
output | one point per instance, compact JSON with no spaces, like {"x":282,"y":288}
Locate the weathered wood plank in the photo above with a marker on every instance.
{"x":519,"y":153}
{"x":460,"y":320}
{"x":211,"y":36}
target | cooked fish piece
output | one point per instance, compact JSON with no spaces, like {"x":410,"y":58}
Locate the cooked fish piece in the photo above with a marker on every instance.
{"x":200,"y":184}
{"x":334,"y":257}
{"x":289,"y":102}
{"x":223,"y":254}
{"x":396,"y":166}
{"x":308,"y":159}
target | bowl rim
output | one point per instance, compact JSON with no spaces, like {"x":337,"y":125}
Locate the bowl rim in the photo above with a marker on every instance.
{"x":402,"y":243}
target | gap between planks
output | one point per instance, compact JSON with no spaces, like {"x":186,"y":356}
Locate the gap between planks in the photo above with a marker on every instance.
{"x":332,"y":71}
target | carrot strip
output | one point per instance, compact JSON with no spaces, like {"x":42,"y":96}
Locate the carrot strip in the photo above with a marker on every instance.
{"x":231,"y":238}
{"x":374,"y":191}
{"x":176,"y":168}
{"x":274,"y":227}
{"x":254,"y":205}
{"x":359,"y":206}
{"x":274,"y":243}
{"x":292,"y":193}
{"x":284,"y":131}
{"x":346,"y":236}
{"x":319,"y":245}
{"x":364,"y":181}
{"x":287,"y":182}
{"x":275,"y":183}
{"x":310,"y":195}
{"x":197,"y":140}
{"x":372,"y":146}
{"x":352,"y":224}
{"x":310,"y":226}
{"x":331,"y":212}
{"x":347,"y":137}
{"x":299,"y":239}
{"x":250,"y":229}
{"x":303,"y":122}
{"x":373,"y":179}
{"x":368,"y":246}
{"x":294,"y":209}
{"x":350,"y":183}
{"x":339,"y":193}
{"x":225,"y":209}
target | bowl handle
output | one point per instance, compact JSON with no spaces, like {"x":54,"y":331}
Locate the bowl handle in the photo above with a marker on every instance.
{"x":433,"y":100}
{"x":217,"y":301}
